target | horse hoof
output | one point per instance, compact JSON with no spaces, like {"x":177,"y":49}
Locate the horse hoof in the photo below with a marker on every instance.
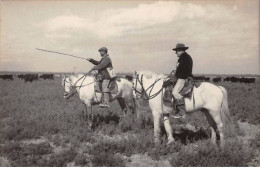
{"x":91,"y":125}
{"x":170,"y":142}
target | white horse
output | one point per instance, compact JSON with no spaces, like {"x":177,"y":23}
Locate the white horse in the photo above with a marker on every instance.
{"x":209,"y":98}
{"x":84,"y":86}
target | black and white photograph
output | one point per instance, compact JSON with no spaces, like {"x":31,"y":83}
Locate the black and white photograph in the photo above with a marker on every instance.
{"x":143,"y":83}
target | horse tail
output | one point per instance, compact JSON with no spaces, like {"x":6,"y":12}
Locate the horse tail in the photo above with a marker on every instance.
{"x":225,"y":114}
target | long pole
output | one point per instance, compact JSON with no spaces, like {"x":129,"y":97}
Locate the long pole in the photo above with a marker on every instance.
{"x":60,"y":53}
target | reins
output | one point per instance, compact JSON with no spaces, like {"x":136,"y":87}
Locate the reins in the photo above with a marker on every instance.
{"x":85,"y":75}
{"x":74,"y":86}
{"x":145,"y":91}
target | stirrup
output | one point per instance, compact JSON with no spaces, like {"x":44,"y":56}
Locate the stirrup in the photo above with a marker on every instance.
{"x":105,"y":105}
{"x":178,"y":116}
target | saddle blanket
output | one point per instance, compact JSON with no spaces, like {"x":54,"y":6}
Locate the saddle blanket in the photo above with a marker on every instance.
{"x":113,"y":87}
{"x":168,"y":98}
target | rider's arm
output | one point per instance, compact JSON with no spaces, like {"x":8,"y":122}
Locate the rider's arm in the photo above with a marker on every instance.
{"x":93,"y":61}
{"x":103,"y":64}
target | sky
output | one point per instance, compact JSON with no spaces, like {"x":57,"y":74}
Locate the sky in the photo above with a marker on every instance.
{"x":222,"y":36}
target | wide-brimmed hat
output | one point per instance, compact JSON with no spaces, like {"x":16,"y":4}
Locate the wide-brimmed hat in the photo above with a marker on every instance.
{"x":180,"y":47}
{"x":103,"y":49}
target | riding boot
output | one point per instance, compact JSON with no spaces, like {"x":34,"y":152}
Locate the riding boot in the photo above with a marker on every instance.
{"x":106,"y":99}
{"x":180,"y":109}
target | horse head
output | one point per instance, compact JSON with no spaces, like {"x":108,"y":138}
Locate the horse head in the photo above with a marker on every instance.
{"x":67,"y":85}
{"x":145,"y":84}
{"x":138,"y":85}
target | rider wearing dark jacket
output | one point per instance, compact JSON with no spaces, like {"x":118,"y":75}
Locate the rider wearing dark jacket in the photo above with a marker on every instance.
{"x":102,"y":66}
{"x":183,"y":71}
{"x":184,"y":68}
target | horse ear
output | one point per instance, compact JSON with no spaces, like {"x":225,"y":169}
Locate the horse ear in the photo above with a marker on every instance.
{"x":70,"y":79}
{"x":135,"y":74}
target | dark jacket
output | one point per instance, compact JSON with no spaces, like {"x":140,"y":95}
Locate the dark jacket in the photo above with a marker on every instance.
{"x":184,"y":67}
{"x":102,"y":66}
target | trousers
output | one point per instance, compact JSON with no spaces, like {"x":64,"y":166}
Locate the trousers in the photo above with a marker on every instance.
{"x":105,"y":84}
{"x":177,"y":88}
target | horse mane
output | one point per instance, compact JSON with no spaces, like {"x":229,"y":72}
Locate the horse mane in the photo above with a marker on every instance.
{"x":150,"y":74}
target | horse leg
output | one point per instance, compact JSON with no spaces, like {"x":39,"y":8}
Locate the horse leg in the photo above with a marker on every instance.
{"x":220,"y":135}
{"x":156,"y":123}
{"x":90,"y":116}
{"x":168,"y":128}
{"x":135,"y":106}
{"x":122,"y":104}
{"x":213,"y":126}
{"x":131,"y":104}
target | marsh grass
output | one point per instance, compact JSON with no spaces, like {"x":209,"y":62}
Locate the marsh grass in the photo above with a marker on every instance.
{"x":234,"y":154}
{"x":29,"y":111}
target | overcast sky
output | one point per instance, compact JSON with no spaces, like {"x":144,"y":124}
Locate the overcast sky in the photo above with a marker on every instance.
{"x":223,"y":37}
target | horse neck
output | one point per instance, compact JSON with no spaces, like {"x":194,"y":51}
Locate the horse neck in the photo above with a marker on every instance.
{"x":75,"y":80}
{"x":147,"y":82}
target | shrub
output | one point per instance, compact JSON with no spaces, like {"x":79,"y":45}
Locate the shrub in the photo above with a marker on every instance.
{"x":127,"y":146}
{"x":62,"y":159}
{"x":207,"y":155}
{"x":256,"y":142}
{"x":81,"y":160}
{"x":107,"y":160}
{"x":26,"y":155}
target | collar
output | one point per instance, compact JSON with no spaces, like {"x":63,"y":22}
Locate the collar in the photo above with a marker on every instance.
{"x":106,"y":55}
{"x":183,"y":54}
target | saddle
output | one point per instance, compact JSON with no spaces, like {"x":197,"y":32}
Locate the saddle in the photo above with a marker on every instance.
{"x":186,"y":92}
{"x":113,"y":87}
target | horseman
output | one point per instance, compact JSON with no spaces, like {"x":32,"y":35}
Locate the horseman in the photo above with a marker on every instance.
{"x":183,"y":71}
{"x":103,"y":66}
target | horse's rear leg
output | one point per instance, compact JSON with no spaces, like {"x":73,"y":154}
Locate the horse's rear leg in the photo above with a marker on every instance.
{"x":213,"y":126}
{"x":131,"y":103}
{"x":136,"y":107}
{"x":122,"y":104}
{"x":219,"y":127}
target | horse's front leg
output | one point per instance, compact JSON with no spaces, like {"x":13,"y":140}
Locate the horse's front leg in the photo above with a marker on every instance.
{"x":168,"y":128}
{"x":156,"y":124}
{"x":89,"y":115}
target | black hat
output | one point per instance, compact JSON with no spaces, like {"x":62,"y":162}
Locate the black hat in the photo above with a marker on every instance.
{"x":180,"y":47}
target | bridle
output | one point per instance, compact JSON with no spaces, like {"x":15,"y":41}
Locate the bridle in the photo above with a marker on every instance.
{"x":73,"y":87}
{"x":145,"y":94}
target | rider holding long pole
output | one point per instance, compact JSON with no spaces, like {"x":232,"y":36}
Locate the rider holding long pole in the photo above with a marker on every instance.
{"x":102,"y":67}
